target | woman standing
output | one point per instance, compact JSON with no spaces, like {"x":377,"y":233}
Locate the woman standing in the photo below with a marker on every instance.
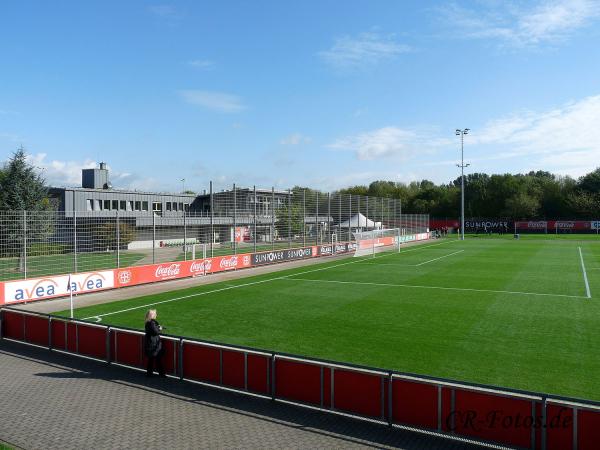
{"x":153,"y":346}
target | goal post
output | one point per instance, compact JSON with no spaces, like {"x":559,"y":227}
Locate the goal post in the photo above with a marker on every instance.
{"x":377,"y":241}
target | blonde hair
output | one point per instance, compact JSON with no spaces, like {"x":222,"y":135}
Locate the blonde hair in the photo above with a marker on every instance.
{"x":151,"y":314}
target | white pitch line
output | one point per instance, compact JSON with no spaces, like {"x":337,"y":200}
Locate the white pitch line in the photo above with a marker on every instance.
{"x":199,"y":294}
{"x":416,"y":286}
{"x":437,"y":259}
{"x":585,"y":278}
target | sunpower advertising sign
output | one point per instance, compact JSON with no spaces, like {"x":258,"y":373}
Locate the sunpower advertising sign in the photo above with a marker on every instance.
{"x":57,"y":286}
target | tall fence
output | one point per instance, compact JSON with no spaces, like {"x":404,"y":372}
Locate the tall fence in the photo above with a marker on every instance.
{"x":113,"y":234}
{"x":480,"y":413}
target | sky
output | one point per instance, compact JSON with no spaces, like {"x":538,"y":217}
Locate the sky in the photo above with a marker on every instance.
{"x":324,"y":94}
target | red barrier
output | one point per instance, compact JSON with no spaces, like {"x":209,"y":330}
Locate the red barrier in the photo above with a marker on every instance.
{"x":258,"y":373}
{"x":559,"y":427}
{"x":495,"y":418}
{"x":126,"y":348}
{"x":13,"y":325}
{"x":359,"y":393}
{"x":588,"y":429}
{"x":298,"y":381}
{"x":91,"y":341}
{"x":234,"y":369}
{"x":37,"y":330}
{"x":466,"y":411}
{"x":415,"y":404}
{"x":201,"y":362}
{"x":58,"y":330}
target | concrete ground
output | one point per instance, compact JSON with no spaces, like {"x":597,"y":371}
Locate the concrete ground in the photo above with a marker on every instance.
{"x":50,"y":400}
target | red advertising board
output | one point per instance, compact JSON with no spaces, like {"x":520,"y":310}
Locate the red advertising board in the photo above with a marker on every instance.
{"x":561,"y":225}
{"x":1,"y":293}
{"x":132,"y":276}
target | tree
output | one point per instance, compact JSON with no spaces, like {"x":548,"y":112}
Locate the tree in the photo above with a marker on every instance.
{"x":22,"y":188}
{"x":104,"y":236}
{"x":29,"y":217}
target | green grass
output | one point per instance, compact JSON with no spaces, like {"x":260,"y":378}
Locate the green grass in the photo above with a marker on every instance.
{"x":506,"y":312}
{"x":541,"y":236}
{"x":39,"y":266}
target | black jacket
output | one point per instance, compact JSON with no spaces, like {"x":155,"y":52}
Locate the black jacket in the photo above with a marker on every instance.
{"x":152,"y":340}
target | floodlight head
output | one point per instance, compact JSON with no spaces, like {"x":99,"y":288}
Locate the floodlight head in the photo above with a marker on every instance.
{"x":458,"y":132}
{"x":467,"y":165}
{"x":466,"y":131}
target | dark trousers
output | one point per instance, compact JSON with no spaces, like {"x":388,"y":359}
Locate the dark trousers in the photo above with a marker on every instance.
{"x":158,"y":360}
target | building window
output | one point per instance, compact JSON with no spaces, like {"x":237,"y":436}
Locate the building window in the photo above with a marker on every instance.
{"x":97,"y":205}
{"x":175,"y":206}
{"x":168,"y":206}
{"x":107,"y":205}
{"x":157,"y":208}
{"x":89,"y":203}
{"x":187,"y":207}
{"x":180,"y":206}
{"x":138,"y":206}
{"x":144,"y":206}
{"x":122,"y":205}
{"x":115,"y":205}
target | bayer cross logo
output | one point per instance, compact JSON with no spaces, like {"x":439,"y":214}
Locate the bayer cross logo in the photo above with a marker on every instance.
{"x":124,"y":277}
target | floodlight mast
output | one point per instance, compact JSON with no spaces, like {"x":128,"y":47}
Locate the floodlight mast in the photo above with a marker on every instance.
{"x":462,"y":166}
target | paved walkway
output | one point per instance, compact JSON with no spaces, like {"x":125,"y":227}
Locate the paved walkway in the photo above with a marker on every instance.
{"x":54,"y":401}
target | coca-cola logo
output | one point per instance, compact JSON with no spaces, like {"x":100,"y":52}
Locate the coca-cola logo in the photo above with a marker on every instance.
{"x":246,"y":260}
{"x":201,"y":266}
{"x":167,"y":271}
{"x":229,"y":263}
{"x":124,"y":277}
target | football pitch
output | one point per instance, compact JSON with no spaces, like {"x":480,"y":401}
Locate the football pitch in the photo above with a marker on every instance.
{"x":522,"y":313}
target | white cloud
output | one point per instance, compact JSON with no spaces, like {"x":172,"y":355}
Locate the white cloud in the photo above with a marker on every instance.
{"x":295,"y":139}
{"x":568,"y":129}
{"x":68,"y":173}
{"x":164,"y":11}
{"x":201,"y":64}
{"x":545,"y":22}
{"x":381,"y":143}
{"x":215,"y":101}
{"x":366,"y":49}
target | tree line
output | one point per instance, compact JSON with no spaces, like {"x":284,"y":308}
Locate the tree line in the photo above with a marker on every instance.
{"x":535,"y":195}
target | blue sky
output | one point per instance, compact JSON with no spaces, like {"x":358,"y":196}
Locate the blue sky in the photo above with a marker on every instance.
{"x":319,"y":93}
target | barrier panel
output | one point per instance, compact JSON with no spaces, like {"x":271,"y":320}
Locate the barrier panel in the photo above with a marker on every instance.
{"x":416,"y":404}
{"x":480,"y":413}
{"x":360,"y":393}
{"x":495,"y":418}
{"x":36,"y":330}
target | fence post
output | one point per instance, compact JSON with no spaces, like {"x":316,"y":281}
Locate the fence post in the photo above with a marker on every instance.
{"x":317,"y":218}
{"x":273,"y":217}
{"x":235,"y":221}
{"x":153,"y":237}
{"x":349,"y":217}
{"x":107,"y":343}
{"x":272,"y":376}
{"x":290,"y":218}
{"x":118,"y":233}
{"x":329,"y":221}
{"x":24,"y":244}
{"x":303,"y":217}
{"x":180,"y":359}
{"x":74,"y":239}
{"x":184,"y":235}
{"x":254,"y":218}
{"x":212,"y":220}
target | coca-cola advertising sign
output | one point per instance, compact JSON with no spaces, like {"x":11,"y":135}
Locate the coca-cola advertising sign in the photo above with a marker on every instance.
{"x":335,"y":249}
{"x":165,"y":272}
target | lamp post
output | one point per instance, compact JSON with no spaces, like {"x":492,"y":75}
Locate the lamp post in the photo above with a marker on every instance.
{"x":462,"y":166}
{"x":183,"y":185}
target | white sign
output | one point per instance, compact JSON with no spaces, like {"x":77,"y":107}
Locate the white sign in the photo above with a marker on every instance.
{"x":58,"y":286}
{"x":596,"y":225}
